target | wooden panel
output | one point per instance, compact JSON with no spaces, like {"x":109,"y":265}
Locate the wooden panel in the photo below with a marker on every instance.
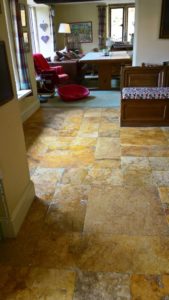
{"x":166,"y":76}
{"x":145,"y":113}
{"x":142,"y":76}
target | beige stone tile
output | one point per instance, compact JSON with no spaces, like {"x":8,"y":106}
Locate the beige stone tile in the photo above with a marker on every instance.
{"x":111,"y":112}
{"x":159,"y":151}
{"x":154,"y":151}
{"x":89,"y":127}
{"x":52,"y":249}
{"x":154,"y":287}
{"x":160,"y":163}
{"x":143,"y":136}
{"x":83,"y":142}
{"x":68,"y":193}
{"x":107,"y":163}
{"x":125,"y":210}
{"x":34,"y":220}
{"x":160,"y":178}
{"x":74,"y":176}
{"x":92,"y":112}
{"x":57,"y":143}
{"x":67,"y":158}
{"x":104,"y":176}
{"x":45,"y":180}
{"x":121,"y":253}
{"x":135,"y":163}
{"x":139,"y":151}
{"x":138,"y":177}
{"x":107,"y":129}
{"x":106,"y":286}
{"x":36,"y":283}
{"x":107,"y":148}
{"x":164,"y":194}
{"x":68,"y":209}
{"x":66,"y":216}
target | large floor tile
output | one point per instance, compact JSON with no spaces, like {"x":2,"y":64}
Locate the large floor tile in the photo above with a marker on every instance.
{"x":105,"y":286}
{"x":36,"y":283}
{"x":154,"y":287}
{"x":107,"y":148}
{"x":121,"y":253}
{"x":143,"y":136}
{"x":125,"y":210}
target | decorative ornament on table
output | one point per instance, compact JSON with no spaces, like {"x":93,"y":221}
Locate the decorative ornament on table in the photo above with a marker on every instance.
{"x":43,"y":26}
{"x":45,"y":38}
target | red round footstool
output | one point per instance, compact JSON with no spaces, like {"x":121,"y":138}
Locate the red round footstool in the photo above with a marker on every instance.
{"x":73,"y":92}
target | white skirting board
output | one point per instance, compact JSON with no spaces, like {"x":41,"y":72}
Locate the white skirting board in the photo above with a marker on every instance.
{"x":11,"y":225}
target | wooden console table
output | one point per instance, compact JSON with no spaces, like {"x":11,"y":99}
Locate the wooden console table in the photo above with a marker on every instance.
{"x":107,"y":65}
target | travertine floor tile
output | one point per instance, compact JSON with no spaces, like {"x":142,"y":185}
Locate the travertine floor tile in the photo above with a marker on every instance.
{"x":89,"y":127}
{"x":138,"y":177}
{"x":36,"y":283}
{"x":111,"y":112}
{"x":104,"y":176}
{"x":67,"y":216}
{"x":45,"y":181}
{"x":74,"y":176}
{"x":143,"y":136}
{"x":108,"y":214}
{"x":135,"y":163}
{"x":160,"y":164}
{"x":90,"y":112}
{"x":125,"y":210}
{"x":105,"y":286}
{"x":154,"y":287}
{"x":107,"y":148}
{"x":121,"y":253}
{"x":164,"y":194}
{"x":160,"y":178}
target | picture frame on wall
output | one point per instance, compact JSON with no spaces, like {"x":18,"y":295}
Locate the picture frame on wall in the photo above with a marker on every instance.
{"x":164,"y":26}
{"x":83,"y":30}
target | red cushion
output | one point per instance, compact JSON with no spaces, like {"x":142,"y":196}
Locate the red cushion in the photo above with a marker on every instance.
{"x":73,"y":92}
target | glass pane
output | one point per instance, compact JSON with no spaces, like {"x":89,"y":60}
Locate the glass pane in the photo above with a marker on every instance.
{"x":131,"y":20}
{"x":117,"y":24}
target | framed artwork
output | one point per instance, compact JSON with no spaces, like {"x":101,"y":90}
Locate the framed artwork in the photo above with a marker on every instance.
{"x":164,"y":27}
{"x":83,"y":30}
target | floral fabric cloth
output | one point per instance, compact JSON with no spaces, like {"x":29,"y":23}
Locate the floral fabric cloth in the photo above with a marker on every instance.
{"x":145,"y":93}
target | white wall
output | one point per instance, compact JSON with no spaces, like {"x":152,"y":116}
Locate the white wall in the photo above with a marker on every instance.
{"x":43,"y":17}
{"x":19,"y":189}
{"x":147,"y":46}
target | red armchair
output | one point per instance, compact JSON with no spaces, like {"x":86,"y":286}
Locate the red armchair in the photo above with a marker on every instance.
{"x":43,"y":69}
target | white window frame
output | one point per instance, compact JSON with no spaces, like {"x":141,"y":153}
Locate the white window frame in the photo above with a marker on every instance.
{"x":125,"y":18}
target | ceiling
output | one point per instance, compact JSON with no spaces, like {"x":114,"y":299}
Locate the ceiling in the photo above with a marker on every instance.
{"x":42,"y":2}
{"x":63,"y":1}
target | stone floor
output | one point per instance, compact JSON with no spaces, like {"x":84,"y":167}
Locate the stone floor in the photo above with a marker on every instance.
{"x":98,"y":228}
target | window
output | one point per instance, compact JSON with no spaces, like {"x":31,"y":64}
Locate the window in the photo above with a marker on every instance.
{"x":122,"y":18}
{"x":15,"y":29}
{"x":34,"y":29}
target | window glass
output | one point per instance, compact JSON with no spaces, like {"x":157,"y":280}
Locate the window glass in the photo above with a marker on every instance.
{"x":131,"y":20}
{"x":117,"y":24}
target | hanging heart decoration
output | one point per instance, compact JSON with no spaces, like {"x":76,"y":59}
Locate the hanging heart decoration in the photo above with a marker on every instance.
{"x":45,"y":38}
{"x":44,"y":26}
